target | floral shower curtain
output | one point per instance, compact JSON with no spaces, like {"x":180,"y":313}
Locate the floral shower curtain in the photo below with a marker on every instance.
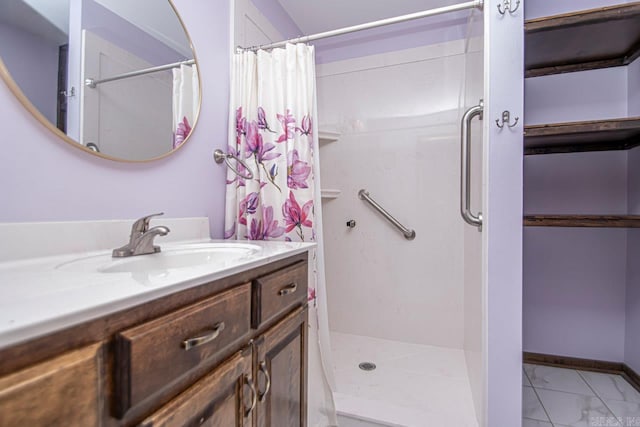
{"x":186,"y":98}
{"x":275,"y":132}
{"x":273,"y":100}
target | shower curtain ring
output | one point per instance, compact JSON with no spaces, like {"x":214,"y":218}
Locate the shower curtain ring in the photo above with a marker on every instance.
{"x":220,"y":156}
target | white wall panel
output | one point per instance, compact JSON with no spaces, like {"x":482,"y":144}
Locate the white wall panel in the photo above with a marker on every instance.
{"x":399,"y":124}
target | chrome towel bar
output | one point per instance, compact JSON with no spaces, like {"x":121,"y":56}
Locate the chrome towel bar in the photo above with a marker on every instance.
{"x":408,"y":234}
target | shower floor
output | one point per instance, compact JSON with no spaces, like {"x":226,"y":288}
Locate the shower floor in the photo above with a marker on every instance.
{"x":413,"y":385}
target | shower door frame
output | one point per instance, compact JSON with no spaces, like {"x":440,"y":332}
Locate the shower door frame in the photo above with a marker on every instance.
{"x":502,"y":211}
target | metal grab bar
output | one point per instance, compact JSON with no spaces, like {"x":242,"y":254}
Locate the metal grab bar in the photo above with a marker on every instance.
{"x":408,"y":234}
{"x":465,"y":167}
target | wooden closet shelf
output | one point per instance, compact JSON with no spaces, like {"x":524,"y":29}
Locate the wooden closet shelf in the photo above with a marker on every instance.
{"x":584,"y":40}
{"x":595,"y":135}
{"x":601,"y":221}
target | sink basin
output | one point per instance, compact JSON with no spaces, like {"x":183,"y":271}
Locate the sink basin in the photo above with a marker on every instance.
{"x":177,"y":257}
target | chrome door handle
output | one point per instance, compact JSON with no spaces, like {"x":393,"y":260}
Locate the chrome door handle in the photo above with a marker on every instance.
{"x":465,"y":167}
{"x":190,"y":343}
{"x":265,"y":371}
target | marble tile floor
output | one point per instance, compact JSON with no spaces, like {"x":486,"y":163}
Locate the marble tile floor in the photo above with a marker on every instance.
{"x":413,"y":385}
{"x":558,"y":397}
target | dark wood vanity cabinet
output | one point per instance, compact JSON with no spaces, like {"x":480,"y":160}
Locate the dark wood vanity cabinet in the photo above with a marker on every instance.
{"x":232,"y":352}
{"x":63,"y":391}
{"x":264,"y":384}
{"x":224,"y":398}
{"x":282,"y":373}
{"x":152,"y":358}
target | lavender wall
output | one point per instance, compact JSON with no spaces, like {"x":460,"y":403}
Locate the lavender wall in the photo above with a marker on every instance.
{"x":587,"y":183}
{"x":45,"y":179}
{"x":574,"y":292}
{"x":632,"y":343}
{"x":278,"y":16}
{"x":563,"y":98}
{"x":33,"y":63}
{"x":575,"y":279}
{"x":633,"y":85}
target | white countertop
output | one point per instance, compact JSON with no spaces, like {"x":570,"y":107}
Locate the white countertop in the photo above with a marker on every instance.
{"x":38,"y":297}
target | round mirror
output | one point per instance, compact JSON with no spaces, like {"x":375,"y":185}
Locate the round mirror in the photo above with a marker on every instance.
{"x":116,"y":78}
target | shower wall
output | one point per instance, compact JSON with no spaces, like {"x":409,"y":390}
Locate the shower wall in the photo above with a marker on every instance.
{"x":473,"y":290}
{"x":398,"y":118}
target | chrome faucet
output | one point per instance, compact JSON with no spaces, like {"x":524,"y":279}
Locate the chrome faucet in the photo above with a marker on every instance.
{"x":141,"y":239}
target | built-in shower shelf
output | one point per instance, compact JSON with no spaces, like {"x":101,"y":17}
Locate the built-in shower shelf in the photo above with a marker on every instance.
{"x":328,"y":136}
{"x":570,"y":137}
{"x":600,"y":221}
{"x":583,"y":40}
{"x":329,"y":193}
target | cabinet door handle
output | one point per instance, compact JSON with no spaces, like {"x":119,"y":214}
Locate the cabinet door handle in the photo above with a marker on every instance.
{"x":190,"y":343}
{"x":254,"y":396}
{"x":289,"y":289}
{"x":265,"y":371}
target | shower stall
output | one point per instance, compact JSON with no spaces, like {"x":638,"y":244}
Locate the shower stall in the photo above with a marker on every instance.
{"x":408,"y":306}
{"x":416,"y":127}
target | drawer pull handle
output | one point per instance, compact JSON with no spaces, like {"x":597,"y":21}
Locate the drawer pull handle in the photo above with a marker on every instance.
{"x":265,"y":371}
{"x":289,"y":289}
{"x":195,"y":342}
{"x":254,"y":396}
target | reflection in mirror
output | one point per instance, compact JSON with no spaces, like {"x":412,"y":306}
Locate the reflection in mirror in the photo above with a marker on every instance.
{"x":116,"y":77}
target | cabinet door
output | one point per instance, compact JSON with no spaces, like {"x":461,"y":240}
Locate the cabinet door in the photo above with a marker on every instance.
{"x":64,"y":391}
{"x":281,"y":373}
{"x":226,"y":397}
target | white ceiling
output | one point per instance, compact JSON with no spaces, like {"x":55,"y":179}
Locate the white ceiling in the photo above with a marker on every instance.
{"x":314,"y":16}
{"x":156,"y":17}
{"x":57,"y":12}
{"x":22,"y":15}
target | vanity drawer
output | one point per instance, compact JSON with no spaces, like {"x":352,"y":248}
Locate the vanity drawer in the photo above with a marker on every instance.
{"x":276,"y":293}
{"x":150,"y":356}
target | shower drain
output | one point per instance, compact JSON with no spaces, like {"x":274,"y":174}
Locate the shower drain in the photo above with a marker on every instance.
{"x":367,"y":366}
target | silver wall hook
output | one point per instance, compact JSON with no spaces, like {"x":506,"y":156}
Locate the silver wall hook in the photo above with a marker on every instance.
{"x":508,"y":7}
{"x":506,"y":119}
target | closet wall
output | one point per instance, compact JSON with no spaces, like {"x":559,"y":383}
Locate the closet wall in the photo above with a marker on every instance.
{"x":582,"y":285}
{"x":633,"y":85}
{"x":632,"y":343}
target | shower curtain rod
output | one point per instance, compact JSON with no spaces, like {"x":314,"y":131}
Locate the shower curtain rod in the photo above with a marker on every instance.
{"x":380,"y":23}
{"x":92,"y":83}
